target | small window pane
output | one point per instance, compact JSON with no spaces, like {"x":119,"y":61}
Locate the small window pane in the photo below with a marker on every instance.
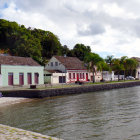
{"x":56,"y":63}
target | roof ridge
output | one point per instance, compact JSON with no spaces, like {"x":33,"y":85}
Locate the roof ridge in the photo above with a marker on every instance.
{"x":16,"y":60}
{"x":14,"y":56}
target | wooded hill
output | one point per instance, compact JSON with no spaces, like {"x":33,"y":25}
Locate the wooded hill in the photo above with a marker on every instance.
{"x":17,"y":40}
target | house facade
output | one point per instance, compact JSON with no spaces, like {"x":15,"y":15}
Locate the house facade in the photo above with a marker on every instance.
{"x":137,"y":74}
{"x":108,"y":76}
{"x":20,"y":71}
{"x":71,"y":69}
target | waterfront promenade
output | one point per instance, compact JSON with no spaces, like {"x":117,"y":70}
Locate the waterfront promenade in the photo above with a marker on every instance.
{"x":11,"y":133}
{"x":49,"y":92}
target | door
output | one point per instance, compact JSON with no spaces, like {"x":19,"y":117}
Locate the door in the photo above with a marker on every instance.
{"x":86,"y":76}
{"x":36,"y":78}
{"x":10,"y":79}
{"x":77,"y":76}
{"x":21,"y":79}
{"x":29,"y":78}
{"x":62,"y":79}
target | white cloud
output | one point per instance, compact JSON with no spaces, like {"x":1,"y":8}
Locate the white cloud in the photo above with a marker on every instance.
{"x":109,"y":27}
{"x":115,"y":11}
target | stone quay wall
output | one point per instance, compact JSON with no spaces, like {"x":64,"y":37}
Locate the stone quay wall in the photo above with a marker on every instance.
{"x":36,"y":93}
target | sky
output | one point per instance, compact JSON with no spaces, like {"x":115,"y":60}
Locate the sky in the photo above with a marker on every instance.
{"x":109,"y":27}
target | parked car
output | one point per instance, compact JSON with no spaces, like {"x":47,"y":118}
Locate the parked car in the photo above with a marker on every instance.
{"x":130,"y":78}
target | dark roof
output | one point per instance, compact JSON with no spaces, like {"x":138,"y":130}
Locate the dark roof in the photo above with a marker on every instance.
{"x":14,"y":60}
{"x":71,"y":62}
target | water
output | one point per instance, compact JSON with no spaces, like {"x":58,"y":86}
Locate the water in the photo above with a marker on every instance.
{"x":107,"y":115}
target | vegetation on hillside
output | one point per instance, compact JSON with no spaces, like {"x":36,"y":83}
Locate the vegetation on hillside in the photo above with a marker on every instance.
{"x":41,"y":45}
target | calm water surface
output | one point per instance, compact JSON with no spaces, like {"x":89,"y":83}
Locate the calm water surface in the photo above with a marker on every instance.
{"x":107,"y":115}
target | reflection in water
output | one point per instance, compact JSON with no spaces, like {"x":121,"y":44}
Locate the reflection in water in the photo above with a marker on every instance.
{"x":106,"y":115}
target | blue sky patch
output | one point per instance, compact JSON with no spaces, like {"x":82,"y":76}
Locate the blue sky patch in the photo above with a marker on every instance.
{"x":5,"y":5}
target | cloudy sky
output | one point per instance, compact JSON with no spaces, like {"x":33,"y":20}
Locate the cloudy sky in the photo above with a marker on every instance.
{"x":110,"y":27}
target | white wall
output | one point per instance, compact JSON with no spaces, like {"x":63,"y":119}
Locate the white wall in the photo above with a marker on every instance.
{"x":138,"y":73}
{"x":60,"y":66}
{"x":108,"y":76}
{"x":55,"y":77}
{"x":98,"y":76}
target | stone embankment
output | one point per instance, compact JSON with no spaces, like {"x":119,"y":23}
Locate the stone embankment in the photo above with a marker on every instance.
{"x":37,"y":93}
{"x":11,"y":133}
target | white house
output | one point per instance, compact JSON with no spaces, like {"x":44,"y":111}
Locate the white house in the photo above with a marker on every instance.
{"x":70,"y":69}
{"x":108,"y":76}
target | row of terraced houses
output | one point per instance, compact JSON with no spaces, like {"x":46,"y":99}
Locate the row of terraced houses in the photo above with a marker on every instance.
{"x":25,"y":71}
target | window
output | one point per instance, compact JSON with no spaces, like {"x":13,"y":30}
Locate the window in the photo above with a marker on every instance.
{"x":52,"y":64}
{"x":69,"y":75}
{"x":80,"y":75}
{"x":56,"y":63}
{"x":73,"y":75}
{"x":47,"y":74}
{"x":83,"y":76}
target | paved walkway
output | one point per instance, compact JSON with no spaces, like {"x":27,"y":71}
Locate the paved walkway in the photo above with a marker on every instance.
{"x":11,"y":133}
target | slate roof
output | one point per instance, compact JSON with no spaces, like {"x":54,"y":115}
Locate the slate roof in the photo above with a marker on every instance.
{"x":14,"y":60}
{"x":71,"y":62}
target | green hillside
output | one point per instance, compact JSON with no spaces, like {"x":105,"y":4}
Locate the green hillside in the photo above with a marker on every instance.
{"x":41,"y":45}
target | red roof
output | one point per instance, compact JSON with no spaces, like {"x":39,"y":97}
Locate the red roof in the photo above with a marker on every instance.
{"x":71,"y":62}
{"x":14,"y":60}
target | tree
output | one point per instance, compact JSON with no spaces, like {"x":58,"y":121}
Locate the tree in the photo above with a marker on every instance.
{"x":28,"y":42}
{"x":102,"y":66}
{"x":109,"y":60}
{"x":131,"y":65}
{"x":123,"y":61}
{"x":92,"y":61}
{"x":117,"y":67}
{"x":80,"y":51}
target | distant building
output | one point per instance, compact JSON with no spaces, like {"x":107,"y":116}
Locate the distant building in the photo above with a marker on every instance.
{"x":67,"y":70}
{"x":138,"y":68}
{"x":20,"y":71}
{"x":109,"y":76}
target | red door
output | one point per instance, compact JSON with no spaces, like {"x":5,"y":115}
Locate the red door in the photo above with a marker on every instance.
{"x":10,"y":79}
{"x":77,"y":76}
{"x":29,"y":78}
{"x":21,"y":79}
{"x":36,"y":78}
{"x":86,"y":76}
